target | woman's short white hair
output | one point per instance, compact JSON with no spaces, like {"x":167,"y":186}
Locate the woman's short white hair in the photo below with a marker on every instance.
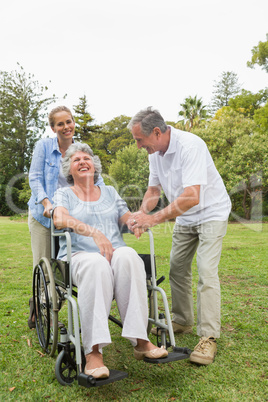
{"x":79,"y":147}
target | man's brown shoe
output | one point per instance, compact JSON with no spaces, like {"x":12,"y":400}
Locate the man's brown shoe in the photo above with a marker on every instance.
{"x":205,"y":351}
{"x":177,"y":329}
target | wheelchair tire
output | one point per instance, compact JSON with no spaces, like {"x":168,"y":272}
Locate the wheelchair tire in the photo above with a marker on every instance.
{"x":66,"y":368}
{"x":45,"y":306}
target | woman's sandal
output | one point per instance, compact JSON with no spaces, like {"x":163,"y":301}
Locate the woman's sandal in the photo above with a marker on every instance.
{"x":157,"y":353}
{"x":101,"y":372}
{"x":31,"y":323}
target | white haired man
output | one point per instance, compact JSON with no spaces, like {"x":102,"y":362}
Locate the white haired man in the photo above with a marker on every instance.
{"x":182,"y":166}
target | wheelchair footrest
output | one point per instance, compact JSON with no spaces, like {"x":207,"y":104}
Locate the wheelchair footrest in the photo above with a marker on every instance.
{"x":176,"y":354}
{"x":89,"y":381}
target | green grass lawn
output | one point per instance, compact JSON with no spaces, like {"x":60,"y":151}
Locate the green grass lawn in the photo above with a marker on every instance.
{"x":239,"y":373}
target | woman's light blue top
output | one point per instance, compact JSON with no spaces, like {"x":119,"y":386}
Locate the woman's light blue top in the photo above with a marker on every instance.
{"x":103,"y":215}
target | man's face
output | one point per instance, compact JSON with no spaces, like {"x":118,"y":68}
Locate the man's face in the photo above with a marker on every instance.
{"x":150,"y":143}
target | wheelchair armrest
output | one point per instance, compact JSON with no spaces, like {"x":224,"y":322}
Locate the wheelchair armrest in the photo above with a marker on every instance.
{"x":70,"y":230}
{"x":63,"y":230}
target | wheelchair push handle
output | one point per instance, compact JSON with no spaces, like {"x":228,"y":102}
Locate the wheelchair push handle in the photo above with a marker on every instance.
{"x":58,"y":230}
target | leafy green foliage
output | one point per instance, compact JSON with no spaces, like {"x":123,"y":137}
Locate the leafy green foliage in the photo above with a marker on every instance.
{"x":25,"y":192}
{"x":130,"y":171}
{"x":115,"y":135}
{"x":225,"y":89}
{"x":240,"y":154}
{"x":261,"y":118}
{"x":193,"y":112}
{"x":248,"y":103}
{"x":22,"y":121}
{"x":260,"y":55}
{"x":86,"y":131}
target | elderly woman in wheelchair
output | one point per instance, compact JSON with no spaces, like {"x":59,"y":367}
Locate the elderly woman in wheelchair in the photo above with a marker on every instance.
{"x":103,"y":267}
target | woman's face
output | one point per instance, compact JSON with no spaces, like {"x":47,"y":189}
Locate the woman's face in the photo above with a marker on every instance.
{"x":82,"y":166}
{"x":63,"y":125}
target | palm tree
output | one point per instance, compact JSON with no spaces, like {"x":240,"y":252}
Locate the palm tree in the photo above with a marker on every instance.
{"x":193,"y":112}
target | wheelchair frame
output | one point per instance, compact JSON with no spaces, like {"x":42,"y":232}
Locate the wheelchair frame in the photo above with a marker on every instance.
{"x":49,"y":280}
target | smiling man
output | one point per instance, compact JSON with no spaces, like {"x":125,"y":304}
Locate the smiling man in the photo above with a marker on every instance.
{"x":181,"y":165}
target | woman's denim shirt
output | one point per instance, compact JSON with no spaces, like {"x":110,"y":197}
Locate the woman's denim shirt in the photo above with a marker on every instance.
{"x":43,"y":176}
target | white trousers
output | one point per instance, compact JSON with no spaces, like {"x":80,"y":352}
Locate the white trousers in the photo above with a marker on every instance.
{"x":206,"y":239}
{"x":98,"y":282}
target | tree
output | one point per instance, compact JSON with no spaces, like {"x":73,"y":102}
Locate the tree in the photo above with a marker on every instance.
{"x":248,"y":103}
{"x":22,"y":122}
{"x":260,"y":55}
{"x":129,"y":173}
{"x":261,"y":118}
{"x":248,"y":171}
{"x":193,"y":112}
{"x":86,"y":131}
{"x":239,"y":151}
{"x":225,"y":89}
{"x":115,"y":135}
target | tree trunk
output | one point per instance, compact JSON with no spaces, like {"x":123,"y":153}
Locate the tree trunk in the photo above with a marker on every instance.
{"x":247,"y":211}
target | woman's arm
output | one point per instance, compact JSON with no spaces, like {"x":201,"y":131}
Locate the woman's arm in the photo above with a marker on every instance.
{"x":62,"y":219}
{"x":37,"y":173}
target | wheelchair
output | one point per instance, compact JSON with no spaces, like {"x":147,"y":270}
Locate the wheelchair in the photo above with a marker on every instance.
{"x":52,"y":287}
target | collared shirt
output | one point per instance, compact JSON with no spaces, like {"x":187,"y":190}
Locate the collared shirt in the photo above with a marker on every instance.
{"x":43,"y":176}
{"x":187,"y":162}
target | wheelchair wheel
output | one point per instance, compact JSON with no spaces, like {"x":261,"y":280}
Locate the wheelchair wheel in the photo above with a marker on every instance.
{"x":45,"y":306}
{"x":66,"y":368}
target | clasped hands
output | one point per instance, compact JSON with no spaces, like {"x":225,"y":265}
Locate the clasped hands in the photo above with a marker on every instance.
{"x":139,"y":222}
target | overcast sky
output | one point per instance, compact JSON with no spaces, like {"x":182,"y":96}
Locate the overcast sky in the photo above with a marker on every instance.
{"x":125,"y":55}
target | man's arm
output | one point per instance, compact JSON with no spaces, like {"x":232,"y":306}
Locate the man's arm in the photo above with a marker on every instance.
{"x":149,"y":202}
{"x":188,"y":199}
{"x":150,"y":199}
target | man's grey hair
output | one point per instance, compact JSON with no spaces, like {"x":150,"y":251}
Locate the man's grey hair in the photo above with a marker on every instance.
{"x":79,"y":147}
{"x":148,"y":118}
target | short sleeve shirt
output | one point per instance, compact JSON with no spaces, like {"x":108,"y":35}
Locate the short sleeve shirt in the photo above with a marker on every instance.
{"x":102,"y":214}
{"x":187,"y":162}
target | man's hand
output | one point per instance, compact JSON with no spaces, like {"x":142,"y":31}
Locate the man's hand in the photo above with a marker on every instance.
{"x":140,"y":220}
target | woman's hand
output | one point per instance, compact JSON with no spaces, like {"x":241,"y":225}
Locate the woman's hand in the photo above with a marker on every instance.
{"x":105,"y":246}
{"x":140,"y":220}
{"x":62,"y":219}
{"x":138,"y":232}
{"x":47,"y":207}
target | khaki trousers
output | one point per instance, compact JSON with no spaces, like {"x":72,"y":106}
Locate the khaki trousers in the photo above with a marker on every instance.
{"x":40,"y":240}
{"x":206,"y":239}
